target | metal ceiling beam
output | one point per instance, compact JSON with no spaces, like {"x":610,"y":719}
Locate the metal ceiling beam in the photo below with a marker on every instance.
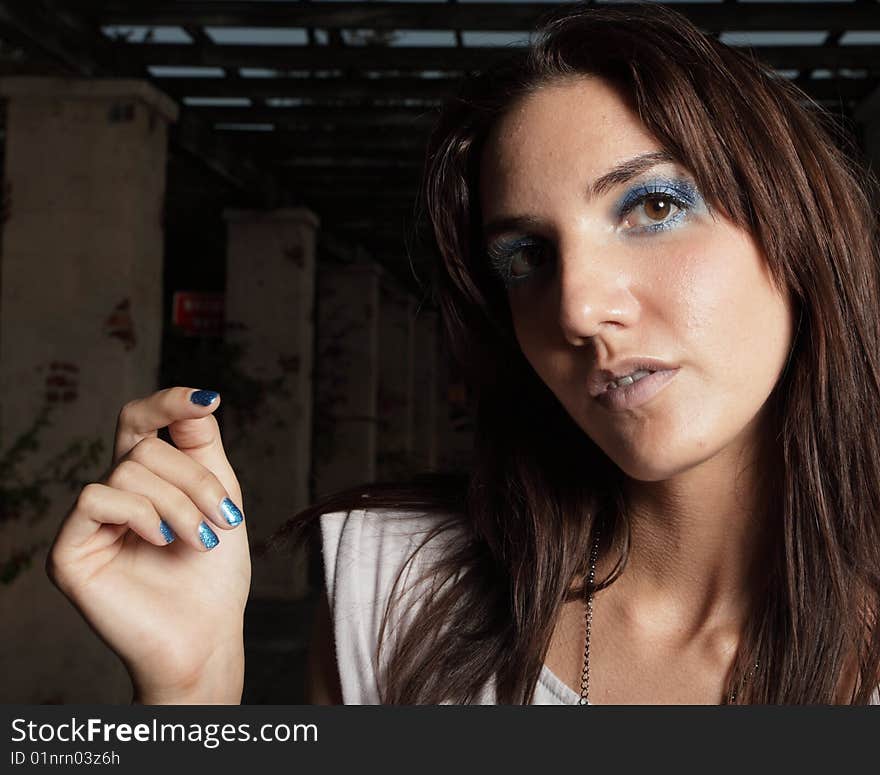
{"x":411,"y":157}
{"x":197,"y":138}
{"x":833,"y":89}
{"x":312,"y":88}
{"x":380,"y":209}
{"x":368,"y":189}
{"x":830,"y":57}
{"x":318,"y":57}
{"x":466,"y":16}
{"x":349,"y":195}
{"x":422,"y":118}
{"x":363,"y":164}
{"x":391,"y":90}
{"x":316,"y":117}
{"x":401,"y":144}
{"x":51,"y":29}
{"x":411,"y":59}
{"x":361,"y":199}
{"x":40,"y":27}
{"x":371,"y":186}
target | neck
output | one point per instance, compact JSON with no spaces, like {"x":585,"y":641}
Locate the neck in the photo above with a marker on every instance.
{"x":699,"y":550}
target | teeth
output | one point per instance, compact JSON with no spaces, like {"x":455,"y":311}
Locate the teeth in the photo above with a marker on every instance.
{"x":629,"y":379}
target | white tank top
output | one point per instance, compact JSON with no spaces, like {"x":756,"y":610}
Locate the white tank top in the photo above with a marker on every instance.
{"x":363,"y":552}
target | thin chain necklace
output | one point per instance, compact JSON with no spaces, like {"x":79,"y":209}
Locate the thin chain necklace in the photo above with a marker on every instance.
{"x":588,"y":617}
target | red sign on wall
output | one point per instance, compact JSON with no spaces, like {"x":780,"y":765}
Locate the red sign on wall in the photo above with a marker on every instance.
{"x":197,"y":313}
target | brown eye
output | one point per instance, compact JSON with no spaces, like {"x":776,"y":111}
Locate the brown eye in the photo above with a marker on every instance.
{"x":657,"y":206}
{"x":532,"y":257}
{"x":654,"y":212}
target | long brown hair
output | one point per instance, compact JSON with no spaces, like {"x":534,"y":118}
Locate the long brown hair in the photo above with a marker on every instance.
{"x":769,"y":159}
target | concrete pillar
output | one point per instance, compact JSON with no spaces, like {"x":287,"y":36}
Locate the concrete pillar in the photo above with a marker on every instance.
{"x":396,"y":370}
{"x":270,"y":288}
{"x":347,"y":376}
{"x":80,"y":328}
{"x":424,"y":451}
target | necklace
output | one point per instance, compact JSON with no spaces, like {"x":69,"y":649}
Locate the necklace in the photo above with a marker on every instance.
{"x":588,"y":618}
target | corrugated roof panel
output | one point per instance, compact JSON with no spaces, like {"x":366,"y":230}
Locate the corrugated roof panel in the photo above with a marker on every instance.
{"x":773,"y":38}
{"x":861,"y":37}
{"x":495,"y":38}
{"x":218,"y":102}
{"x":285,"y":102}
{"x":257,"y":72}
{"x":262,"y":72}
{"x":233,"y":127}
{"x":163,"y":71}
{"x":431,"y":38}
{"x":146,"y":34}
{"x":258,"y":36}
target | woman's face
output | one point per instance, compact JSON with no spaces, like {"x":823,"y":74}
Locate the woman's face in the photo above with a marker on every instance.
{"x":599,"y":274}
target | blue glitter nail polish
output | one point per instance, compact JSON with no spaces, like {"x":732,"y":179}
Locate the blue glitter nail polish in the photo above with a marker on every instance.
{"x":167,"y":532}
{"x":204,"y":397}
{"x":231,"y":512}
{"x":207,"y":536}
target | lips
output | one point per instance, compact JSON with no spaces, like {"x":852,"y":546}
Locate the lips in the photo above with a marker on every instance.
{"x":600,"y":377}
{"x":630,"y":397}
{"x":630,"y":379}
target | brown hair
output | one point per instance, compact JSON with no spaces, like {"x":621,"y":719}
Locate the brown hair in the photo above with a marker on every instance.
{"x":767,"y":157}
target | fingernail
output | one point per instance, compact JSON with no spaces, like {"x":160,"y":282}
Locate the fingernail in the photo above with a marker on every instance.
{"x":204,"y":397}
{"x":231,"y":512}
{"x":167,"y":532}
{"x":207,"y":536}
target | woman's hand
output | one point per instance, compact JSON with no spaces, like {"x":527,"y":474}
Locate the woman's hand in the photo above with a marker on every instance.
{"x":172,"y":611}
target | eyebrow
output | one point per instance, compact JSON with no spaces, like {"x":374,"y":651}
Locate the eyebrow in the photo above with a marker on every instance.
{"x":617,"y":175}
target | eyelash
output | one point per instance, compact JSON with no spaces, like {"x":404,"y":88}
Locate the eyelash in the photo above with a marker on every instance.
{"x":501,"y":254}
{"x":682,"y":200}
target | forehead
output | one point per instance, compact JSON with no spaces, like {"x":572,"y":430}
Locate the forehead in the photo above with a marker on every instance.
{"x":570,"y":131}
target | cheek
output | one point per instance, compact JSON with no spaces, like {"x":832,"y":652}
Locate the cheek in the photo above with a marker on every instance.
{"x":731,"y":315}
{"x":703,"y":297}
{"x":719,"y":303}
{"x":734,"y":330}
{"x":716,"y":309}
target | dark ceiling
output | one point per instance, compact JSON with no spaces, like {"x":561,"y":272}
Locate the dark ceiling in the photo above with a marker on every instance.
{"x":328,"y":103}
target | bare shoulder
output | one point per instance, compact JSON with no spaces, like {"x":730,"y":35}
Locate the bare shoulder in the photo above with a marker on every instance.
{"x":323,"y":686}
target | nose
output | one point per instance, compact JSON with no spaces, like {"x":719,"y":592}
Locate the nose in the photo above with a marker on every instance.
{"x":595,"y":293}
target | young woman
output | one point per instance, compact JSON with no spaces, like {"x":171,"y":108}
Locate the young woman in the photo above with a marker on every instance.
{"x":659,"y":275}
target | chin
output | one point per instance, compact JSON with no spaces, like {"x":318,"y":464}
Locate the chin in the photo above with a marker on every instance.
{"x":644,"y":469}
{"x":649,"y":462}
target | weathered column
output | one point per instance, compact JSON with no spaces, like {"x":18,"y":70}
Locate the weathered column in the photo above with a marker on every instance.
{"x":270,"y":288}
{"x":80,"y":328}
{"x":347,"y":376}
{"x":424,"y":454}
{"x":396,"y":371}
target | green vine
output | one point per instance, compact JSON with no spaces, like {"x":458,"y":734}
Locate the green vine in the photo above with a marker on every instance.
{"x":24,"y":497}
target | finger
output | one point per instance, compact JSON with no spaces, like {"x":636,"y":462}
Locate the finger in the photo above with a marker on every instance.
{"x":174,"y":506}
{"x":200,"y":440}
{"x":99,"y":505}
{"x":198,"y":483}
{"x":143,"y":417}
